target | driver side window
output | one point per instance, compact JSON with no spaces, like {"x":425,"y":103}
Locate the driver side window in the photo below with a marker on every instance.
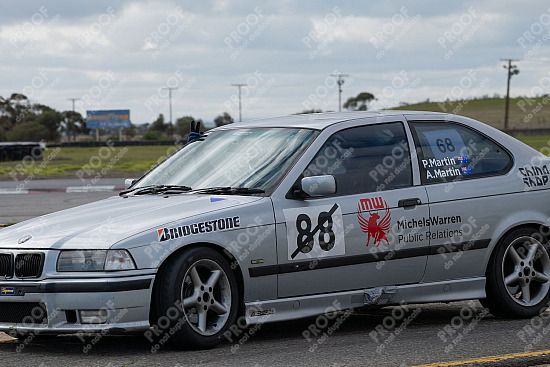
{"x":365,"y":159}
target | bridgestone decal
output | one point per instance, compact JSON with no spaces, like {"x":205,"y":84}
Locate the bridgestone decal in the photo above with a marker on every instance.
{"x":215,"y":225}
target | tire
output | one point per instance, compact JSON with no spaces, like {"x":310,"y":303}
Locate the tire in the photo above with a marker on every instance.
{"x":518,"y":276}
{"x":200,"y":282}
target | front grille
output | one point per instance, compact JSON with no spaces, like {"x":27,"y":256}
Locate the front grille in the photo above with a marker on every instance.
{"x":29,"y":265}
{"x":23,"y":313}
{"x":6,"y":265}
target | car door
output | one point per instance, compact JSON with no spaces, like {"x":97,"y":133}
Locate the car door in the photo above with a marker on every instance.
{"x":369,"y":233}
{"x":467,"y":176}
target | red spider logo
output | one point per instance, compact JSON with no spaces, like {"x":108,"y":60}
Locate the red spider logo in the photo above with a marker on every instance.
{"x":372,"y":227}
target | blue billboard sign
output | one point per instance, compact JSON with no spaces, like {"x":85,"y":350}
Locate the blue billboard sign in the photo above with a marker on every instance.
{"x":107,"y":119}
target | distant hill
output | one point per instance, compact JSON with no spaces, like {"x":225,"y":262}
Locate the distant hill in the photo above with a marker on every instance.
{"x":524,"y":113}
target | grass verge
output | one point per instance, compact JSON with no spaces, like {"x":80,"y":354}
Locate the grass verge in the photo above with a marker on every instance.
{"x":87,"y":162}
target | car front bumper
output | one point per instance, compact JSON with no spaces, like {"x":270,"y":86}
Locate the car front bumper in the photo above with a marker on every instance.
{"x":54,"y":306}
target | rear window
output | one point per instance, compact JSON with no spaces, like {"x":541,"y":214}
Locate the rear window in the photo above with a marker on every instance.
{"x":451,"y":152}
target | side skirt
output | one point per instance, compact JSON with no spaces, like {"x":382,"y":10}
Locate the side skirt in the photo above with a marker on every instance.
{"x":300,"y":307}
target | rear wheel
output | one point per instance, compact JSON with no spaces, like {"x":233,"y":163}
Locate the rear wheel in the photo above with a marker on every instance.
{"x":518,"y":277}
{"x":198,"y":297}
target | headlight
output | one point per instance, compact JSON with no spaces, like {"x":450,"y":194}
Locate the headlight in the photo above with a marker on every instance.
{"x":119,"y":260}
{"x":97,"y":260}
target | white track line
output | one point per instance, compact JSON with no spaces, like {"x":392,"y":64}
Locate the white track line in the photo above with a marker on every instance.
{"x":13,"y":191}
{"x":90,"y":188}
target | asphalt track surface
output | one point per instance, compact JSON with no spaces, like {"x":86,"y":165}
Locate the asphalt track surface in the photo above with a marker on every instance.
{"x":17,"y":203}
{"x":283,"y":344}
{"x":455,"y":334}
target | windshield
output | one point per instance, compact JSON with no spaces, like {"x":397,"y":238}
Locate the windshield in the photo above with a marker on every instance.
{"x":246,"y":158}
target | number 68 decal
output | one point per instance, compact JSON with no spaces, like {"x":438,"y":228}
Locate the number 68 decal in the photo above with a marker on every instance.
{"x":314,"y":232}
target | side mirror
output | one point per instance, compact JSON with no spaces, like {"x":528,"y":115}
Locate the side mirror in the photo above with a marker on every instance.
{"x":129,"y":182}
{"x":316,"y":186}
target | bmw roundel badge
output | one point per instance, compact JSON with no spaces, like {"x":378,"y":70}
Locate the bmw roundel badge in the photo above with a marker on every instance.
{"x":24,"y":239}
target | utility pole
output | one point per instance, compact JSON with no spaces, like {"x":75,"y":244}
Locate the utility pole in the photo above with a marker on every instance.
{"x":512,"y":70}
{"x":73,"y":100}
{"x":69,"y":124}
{"x":170,"y":89}
{"x":340,"y":82}
{"x":239,"y":85}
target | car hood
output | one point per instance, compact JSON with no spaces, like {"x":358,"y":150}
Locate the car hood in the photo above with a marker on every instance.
{"x":101,"y":224}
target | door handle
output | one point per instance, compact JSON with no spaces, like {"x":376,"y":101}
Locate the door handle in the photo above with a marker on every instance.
{"x":406,"y":203}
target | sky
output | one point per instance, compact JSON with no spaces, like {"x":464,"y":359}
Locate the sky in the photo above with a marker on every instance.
{"x":126,"y":54}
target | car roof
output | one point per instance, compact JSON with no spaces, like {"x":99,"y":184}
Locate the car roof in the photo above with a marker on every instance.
{"x":320,"y":121}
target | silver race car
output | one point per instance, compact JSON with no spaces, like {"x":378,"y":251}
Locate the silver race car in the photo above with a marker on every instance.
{"x":289,"y":217}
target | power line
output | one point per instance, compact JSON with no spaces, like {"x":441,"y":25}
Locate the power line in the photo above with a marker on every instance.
{"x":512,"y":70}
{"x":69,"y":124}
{"x":170,"y":89}
{"x":340,"y":82}
{"x":239,"y":85}
{"x":73,"y":100}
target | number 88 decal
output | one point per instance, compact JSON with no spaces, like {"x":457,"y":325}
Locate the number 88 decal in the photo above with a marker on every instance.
{"x":327,"y":233}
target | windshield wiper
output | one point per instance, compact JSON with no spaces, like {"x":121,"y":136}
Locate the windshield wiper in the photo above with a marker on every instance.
{"x":227,"y":190}
{"x":156,"y":189}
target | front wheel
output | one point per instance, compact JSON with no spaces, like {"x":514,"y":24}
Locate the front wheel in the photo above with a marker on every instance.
{"x":198,"y":297}
{"x":518,"y":276}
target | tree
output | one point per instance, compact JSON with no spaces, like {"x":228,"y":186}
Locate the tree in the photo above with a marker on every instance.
{"x":17,"y":109}
{"x":51,"y":120}
{"x":150,"y":135}
{"x":143,"y":128}
{"x":28,"y":131}
{"x":5,"y":122}
{"x":183,"y":125}
{"x":158,"y":125}
{"x":359,"y":103}
{"x":73,"y":124}
{"x":129,"y":131}
{"x":223,"y":119}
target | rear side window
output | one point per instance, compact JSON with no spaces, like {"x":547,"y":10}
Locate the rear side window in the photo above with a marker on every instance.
{"x":451,"y":152}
